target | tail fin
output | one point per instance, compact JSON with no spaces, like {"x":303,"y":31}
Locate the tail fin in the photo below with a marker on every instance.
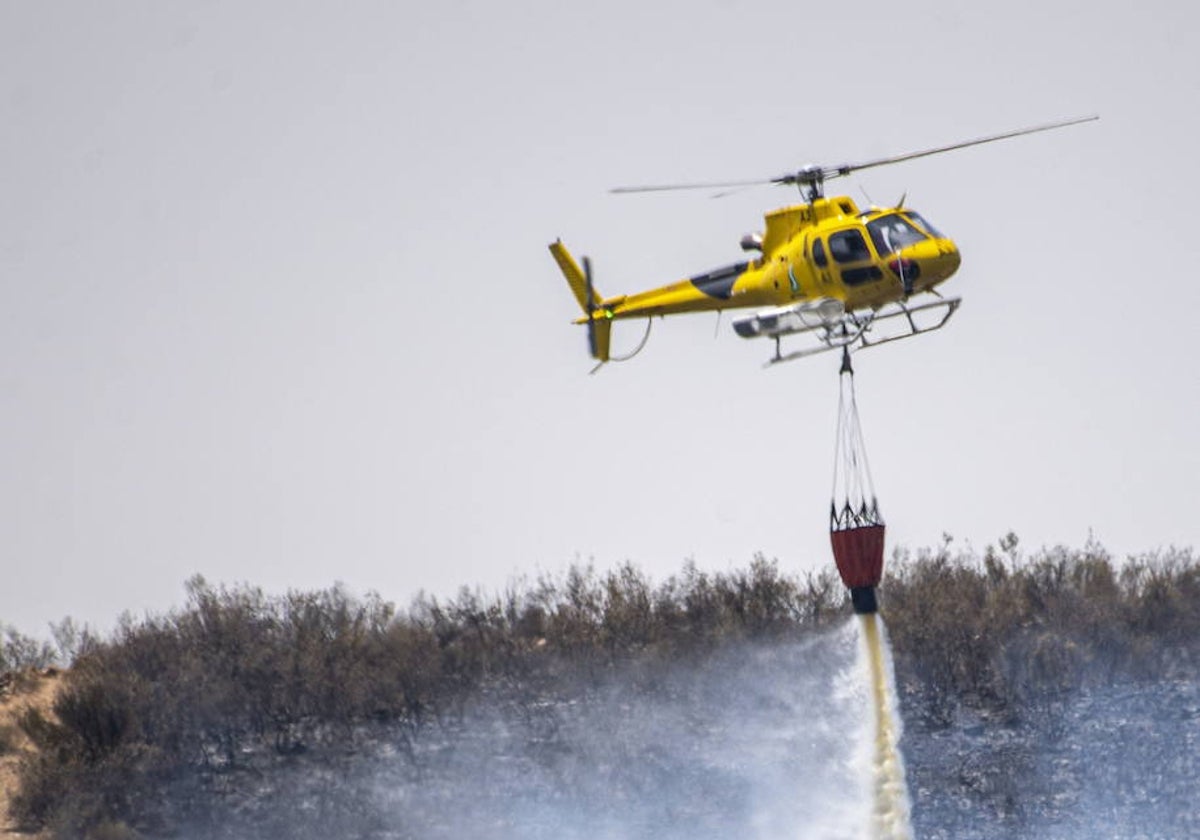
{"x":599,"y":325}
{"x":598,"y":339}
{"x":574,"y":274}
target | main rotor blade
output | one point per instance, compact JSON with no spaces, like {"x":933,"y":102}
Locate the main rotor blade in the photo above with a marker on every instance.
{"x":811,"y":175}
{"x":846,"y":169}
{"x":715,"y":185}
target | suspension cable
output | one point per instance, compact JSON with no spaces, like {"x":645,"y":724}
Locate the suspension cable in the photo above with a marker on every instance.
{"x":853,"y":502}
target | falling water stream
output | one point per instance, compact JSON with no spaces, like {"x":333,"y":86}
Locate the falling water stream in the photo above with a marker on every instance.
{"x":891,"y":807}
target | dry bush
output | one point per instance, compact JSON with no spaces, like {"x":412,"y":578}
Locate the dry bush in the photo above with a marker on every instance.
{"x":19,"y":652}
{"x":1005,"y":632}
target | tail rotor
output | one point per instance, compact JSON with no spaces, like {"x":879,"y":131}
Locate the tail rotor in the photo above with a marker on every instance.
{"x":590,"y":307}
{"x":597,"y":310}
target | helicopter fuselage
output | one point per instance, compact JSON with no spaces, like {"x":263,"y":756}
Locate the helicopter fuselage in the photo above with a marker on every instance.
{"x":825,"y":269}
{"x":827,"y":249}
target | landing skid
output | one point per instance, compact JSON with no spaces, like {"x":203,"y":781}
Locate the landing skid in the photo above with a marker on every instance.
{"x":852,"y":331}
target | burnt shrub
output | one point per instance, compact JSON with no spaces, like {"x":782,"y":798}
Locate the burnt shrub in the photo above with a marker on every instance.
{"x":188,"y":720}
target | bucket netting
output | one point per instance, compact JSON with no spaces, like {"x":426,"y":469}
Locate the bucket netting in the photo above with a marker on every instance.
{"x":856,"y":527}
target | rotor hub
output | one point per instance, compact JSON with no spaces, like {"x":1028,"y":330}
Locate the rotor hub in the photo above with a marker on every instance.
{"x":809,"y":179}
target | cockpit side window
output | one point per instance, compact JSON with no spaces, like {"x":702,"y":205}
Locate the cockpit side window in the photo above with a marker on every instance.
{"x":848,"y":246}
{"x":892,"y":232}
{"x":924,"y":225}
{"x":818,"y":252}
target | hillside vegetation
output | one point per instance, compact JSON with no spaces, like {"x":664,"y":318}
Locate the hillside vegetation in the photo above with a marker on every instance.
{"x":189,"y":719}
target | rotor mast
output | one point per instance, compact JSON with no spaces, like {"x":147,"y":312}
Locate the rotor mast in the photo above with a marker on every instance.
{"x":810,"y":180}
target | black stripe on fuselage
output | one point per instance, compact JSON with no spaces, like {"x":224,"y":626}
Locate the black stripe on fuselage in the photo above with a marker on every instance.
{"x":719,"y":283}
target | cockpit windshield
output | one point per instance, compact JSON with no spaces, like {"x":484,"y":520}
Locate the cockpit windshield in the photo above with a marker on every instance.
{"x":914,"y":216}
{"x":892,"y":232}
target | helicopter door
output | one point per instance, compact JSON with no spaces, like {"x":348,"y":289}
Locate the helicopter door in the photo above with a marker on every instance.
{"x":820,"y":260}
{"x":849,"y":250}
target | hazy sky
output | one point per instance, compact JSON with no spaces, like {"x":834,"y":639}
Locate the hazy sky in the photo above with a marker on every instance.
{"x":276,"y":306}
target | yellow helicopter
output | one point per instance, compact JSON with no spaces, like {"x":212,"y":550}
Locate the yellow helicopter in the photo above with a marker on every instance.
{"x":826,"y":272}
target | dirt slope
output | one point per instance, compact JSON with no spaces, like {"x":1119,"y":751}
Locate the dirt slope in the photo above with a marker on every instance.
{"x":18,"y":692}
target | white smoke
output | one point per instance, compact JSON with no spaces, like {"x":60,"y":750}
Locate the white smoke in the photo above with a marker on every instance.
{"x":762,"y":742}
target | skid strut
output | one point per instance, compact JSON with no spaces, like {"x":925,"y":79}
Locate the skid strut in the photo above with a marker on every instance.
{"x":825,"y":325}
